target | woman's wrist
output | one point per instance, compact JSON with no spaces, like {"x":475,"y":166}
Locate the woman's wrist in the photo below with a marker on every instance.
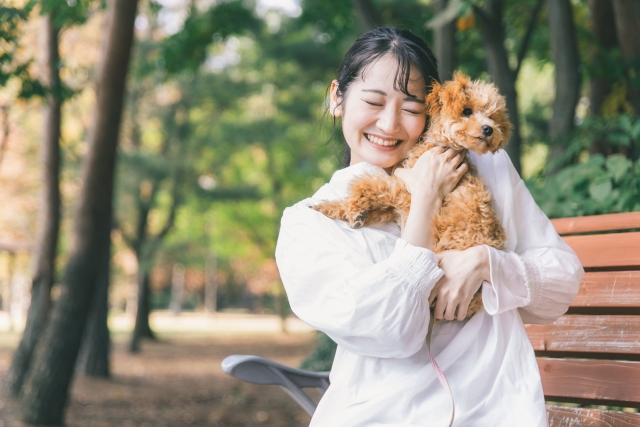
{"x":426,"y":202}
{"x":417,"y":229}
{"x":484,"y":263}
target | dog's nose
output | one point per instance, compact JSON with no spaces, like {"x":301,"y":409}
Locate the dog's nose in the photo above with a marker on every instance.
{"x":487,"y":130}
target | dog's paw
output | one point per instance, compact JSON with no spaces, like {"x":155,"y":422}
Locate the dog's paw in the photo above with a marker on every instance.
{"x":359,"y":220}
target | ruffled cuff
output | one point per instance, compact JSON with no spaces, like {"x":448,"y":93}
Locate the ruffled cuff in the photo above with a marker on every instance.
{"x":533,"y":280}
{"x":508,"y":287}
{"x":417,"y":266}
{"x":553,"y":280}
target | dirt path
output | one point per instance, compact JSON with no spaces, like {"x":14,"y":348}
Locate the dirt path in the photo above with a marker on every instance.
{"x":178,"y":380}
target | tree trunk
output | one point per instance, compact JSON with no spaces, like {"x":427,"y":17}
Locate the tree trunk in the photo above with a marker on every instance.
{"x":492,"y":32}
{"x":366,"y":14}
{"x":46,"y":388}
{"x":604,"y":29}
{"x":444,"y":43}
{"x":93,"y":359}
{"x":177,"y":289}
{"x":627,"y":13}
{"x":142,"y":329}
{"x":49,"y":221}
{"x":564,"y":51}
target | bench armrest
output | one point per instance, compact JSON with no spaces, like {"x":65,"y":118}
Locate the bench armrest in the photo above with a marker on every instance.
{"x":258,"y":370}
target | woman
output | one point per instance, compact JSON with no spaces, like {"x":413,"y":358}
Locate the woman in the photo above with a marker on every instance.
{"x":370,"y":289}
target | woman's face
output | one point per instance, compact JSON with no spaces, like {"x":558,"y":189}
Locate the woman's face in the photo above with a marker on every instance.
{"x":381,"y":124}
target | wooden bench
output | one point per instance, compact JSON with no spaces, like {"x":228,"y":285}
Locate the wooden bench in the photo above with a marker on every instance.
{"x":589,"y":356}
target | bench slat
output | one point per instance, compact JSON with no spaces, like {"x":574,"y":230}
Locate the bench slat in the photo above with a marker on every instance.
{"x":608,"y":222}
{"x":607,"y":250}
{"x":617,"y":336}
{"x":563,"y":416}
{"x":609,"y":289}
{"x":595,"y":382}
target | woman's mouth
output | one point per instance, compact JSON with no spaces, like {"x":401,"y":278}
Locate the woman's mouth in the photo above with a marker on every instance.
{"x":382,"y":142}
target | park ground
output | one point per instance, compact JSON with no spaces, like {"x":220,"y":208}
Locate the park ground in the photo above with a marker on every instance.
{"x":177,"y":380}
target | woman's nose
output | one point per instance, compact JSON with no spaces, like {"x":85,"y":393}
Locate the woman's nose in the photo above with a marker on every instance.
{"x":388,"y":121}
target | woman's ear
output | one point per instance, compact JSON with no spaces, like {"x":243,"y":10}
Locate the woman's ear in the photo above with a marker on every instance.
{"x":334,"y":100}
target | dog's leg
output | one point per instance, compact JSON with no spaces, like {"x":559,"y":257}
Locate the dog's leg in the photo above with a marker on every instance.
{"x":371,"y":199}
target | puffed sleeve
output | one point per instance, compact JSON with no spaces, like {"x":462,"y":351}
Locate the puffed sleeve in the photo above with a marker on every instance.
{"x":541,"y":275}
{"x":371,"y":307}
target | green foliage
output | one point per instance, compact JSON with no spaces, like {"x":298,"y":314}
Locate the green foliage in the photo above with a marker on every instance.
{"x":598,"y":186}
{"x":454,"y":9}
{"x":66,"y":13}
{"x":322,"y":357}
{"x":619,"y":134}
{"x":11,"y":19}
{"x":187,"y":49}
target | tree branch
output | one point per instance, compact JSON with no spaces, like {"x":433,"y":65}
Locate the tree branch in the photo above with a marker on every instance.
{"x":128,"y":240}
{"x":172,"y":216}
{"x":527,"y":36}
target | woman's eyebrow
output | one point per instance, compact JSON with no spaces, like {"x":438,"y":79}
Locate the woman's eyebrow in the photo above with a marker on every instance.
{"x":408,"y":98}
{"x":381,"y":92}
{"x":415,"y":99}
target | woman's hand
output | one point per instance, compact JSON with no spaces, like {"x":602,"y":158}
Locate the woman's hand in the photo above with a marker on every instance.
{"x":464,"y":272}
{"x":432,"y":177}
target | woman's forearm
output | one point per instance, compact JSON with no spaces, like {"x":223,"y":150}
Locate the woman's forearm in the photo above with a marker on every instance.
{"x":417,"y":230}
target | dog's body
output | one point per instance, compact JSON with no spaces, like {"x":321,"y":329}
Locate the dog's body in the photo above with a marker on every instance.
{"x":463,"y":115}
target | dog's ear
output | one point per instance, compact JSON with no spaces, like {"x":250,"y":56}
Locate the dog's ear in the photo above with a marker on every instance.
{"x":453,"y":97}
{"x":502,"y":120}
{"x":433,"y":99}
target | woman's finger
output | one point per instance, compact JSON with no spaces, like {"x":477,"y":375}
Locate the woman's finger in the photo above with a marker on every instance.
{"x":450,"y":311}
{"x":462,"y":169}
{"x":450,"y":154}
{"x":462,"y":310}
{"x":434,"y":292}
{"x":438,"y":311}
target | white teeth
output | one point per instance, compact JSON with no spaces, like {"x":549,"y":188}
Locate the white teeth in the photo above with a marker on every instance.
{"x":379,"y":141}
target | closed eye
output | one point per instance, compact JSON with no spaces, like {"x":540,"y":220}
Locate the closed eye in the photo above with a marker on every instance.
{"x":412,"y":112}
{"x":375,"y":104}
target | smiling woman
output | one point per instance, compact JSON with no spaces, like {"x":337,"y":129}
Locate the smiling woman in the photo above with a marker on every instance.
{"x":369,"y":289}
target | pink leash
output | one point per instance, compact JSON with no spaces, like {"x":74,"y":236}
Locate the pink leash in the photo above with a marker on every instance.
{"x":439,"y":372}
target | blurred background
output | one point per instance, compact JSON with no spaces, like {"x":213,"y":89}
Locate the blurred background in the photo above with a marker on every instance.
{"x":221,"y":126}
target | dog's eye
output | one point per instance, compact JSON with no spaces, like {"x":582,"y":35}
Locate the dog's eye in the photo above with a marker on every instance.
{"x":467,"y":111}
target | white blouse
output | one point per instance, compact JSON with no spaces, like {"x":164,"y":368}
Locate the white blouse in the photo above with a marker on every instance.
{"x":368,"y":290}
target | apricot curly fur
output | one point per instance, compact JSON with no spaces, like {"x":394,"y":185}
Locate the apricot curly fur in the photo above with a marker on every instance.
{"x":466,"y":217}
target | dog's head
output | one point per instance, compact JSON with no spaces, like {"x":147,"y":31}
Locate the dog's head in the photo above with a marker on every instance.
{"x":468,"y":114}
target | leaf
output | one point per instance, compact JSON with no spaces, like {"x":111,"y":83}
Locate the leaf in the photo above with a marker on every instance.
{"x":599,"y":191}
{"x":451,"y":12}
{"x":635,"y":131}
{"x":618,"y":164}
{"x":619,"y":139}
{"x":625,"y":123}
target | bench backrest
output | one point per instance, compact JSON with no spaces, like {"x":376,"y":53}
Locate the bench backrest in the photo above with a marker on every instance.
{"x":591,"y":355}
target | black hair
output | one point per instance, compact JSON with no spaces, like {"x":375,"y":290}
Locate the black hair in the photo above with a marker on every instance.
{"x":405,"y":46}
